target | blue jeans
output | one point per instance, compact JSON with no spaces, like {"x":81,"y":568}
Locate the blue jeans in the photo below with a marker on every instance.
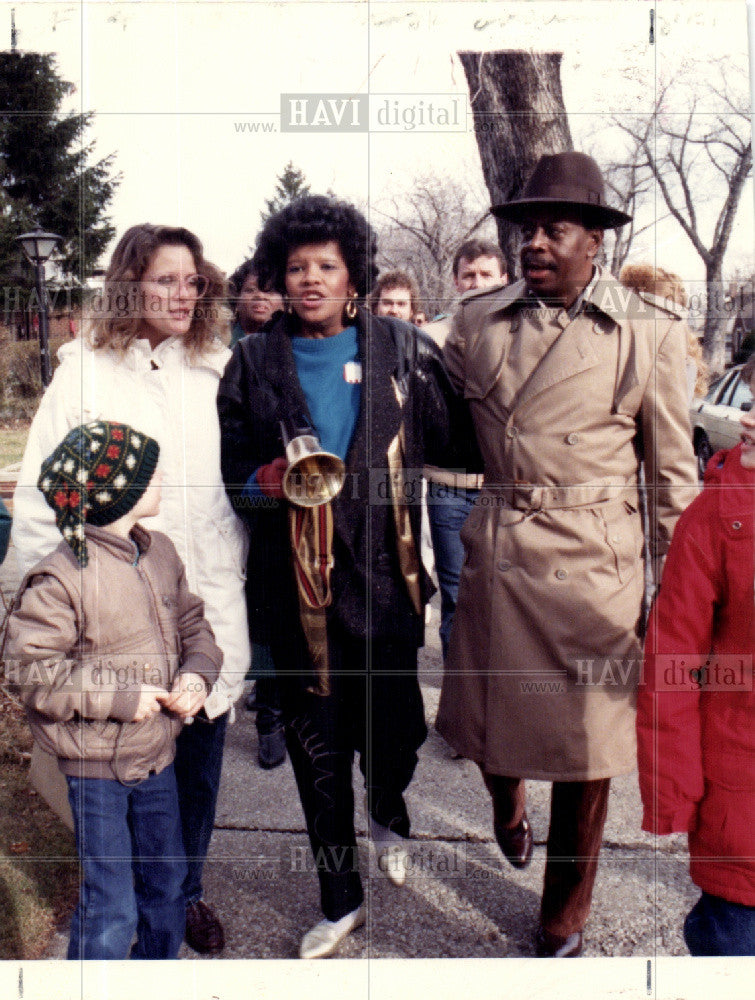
{"x":447,"y":510}
{"x":199,"y":759}
{"x":714,"y":926}
{"x":129,"y":843}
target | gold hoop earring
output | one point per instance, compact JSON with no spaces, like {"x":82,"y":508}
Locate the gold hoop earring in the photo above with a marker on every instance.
{"x":351,"y":306}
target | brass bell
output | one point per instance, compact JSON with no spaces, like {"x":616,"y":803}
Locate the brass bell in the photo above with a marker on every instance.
{"x":313,"y":476}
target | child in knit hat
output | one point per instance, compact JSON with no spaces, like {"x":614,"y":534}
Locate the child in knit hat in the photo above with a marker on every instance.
{"x":110,"y":652}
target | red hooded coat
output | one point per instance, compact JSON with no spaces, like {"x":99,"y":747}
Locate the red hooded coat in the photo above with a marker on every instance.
{"x":696,"y":704}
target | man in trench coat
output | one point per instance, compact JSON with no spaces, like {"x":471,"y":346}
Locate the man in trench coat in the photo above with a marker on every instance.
{"x":573,"y":381}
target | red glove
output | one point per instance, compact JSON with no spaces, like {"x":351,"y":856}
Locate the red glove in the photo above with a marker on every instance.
{"x":270,"y":477}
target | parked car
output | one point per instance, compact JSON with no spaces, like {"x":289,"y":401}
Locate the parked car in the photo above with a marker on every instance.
{"x":715,"y":417}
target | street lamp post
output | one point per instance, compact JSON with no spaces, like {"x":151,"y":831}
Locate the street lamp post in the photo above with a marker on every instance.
{"x":38,"y":246}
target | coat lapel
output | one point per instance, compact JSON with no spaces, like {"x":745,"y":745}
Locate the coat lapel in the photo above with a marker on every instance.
{"x":574,"y":351}
{"x":380,"y":352}
{"x":487,"y":353}
{"x":280,"y":372}
{"x":571,"y":354}
{"x":379,"y":412}
{"x":378,"y":422}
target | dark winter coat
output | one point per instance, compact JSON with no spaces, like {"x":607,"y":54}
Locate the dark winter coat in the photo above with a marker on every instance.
{"x":696,"y":705}
{"x":259,"y":388}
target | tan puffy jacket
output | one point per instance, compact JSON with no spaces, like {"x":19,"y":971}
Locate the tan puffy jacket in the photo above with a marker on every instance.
{"x":82,"y":642}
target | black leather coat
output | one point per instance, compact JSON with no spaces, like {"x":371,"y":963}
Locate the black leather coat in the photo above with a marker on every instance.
{"x":259,"y":388}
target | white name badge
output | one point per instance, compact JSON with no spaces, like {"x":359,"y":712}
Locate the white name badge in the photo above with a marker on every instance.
{"x":352,"y":372}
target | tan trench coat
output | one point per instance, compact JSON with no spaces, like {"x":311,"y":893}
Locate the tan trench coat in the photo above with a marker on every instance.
{"x":545,"y":655}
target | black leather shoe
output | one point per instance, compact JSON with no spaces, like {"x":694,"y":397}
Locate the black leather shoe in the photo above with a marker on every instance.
{"x":272,"y":749}
{"x":204,"y":932}
{"x":516,"y":842}
{"x":549,"y":945}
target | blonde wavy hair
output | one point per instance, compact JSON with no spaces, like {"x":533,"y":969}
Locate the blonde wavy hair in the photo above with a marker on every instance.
{"x":115,"y":318}
{"x":668,"y":286}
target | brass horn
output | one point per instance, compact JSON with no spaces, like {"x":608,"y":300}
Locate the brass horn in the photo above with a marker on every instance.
{"x":313,"y":476}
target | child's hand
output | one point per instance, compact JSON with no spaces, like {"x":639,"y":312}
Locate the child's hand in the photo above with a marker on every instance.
{"x":187,"y":696}
{"x":150,"y":702}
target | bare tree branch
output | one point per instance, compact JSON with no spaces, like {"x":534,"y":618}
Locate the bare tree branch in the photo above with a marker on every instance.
{"x":703,"y":154}
{"x":423,"y":227}
{"x":660,"y":178}
{"x":725,"y":219}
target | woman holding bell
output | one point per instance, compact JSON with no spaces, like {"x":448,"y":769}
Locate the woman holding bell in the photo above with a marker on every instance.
{"x":337,"y":587}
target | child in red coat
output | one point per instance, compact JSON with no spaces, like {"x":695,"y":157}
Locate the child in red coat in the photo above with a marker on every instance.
{"x":696,"y":705}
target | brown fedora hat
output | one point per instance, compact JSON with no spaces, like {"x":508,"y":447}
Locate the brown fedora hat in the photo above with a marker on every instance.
{"x":572,"y":179}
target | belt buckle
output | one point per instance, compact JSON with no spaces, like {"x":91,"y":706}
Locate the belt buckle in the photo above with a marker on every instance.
{"x":529,"y":498}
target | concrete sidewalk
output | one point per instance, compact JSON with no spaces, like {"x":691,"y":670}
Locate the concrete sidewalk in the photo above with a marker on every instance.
{"x":461,"y":898}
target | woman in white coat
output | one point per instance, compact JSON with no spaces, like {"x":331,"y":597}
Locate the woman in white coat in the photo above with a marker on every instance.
{"x":151,"y":356}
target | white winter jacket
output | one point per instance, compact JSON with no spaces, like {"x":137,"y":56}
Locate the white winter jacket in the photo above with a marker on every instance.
{"x":171,"y":398}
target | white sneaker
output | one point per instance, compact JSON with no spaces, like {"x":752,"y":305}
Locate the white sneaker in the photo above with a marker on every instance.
{"x":392,"y":856}
{"x":324,"y":938}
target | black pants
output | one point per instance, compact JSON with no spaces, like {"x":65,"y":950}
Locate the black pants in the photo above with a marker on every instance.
{"x":199,"y":761}
{"x":374,"y":708}
{"x":267,"y":699}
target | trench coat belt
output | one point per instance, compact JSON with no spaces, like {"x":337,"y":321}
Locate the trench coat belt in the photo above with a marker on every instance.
{"x":524,"y":496}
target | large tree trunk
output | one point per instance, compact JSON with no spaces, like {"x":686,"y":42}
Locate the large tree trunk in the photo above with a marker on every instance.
{"x":716,"y":318}
{"x":519,"y":115}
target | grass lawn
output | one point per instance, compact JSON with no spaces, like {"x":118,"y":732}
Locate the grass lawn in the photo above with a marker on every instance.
{"x":39,"y":872}
{"x":13,"y":434}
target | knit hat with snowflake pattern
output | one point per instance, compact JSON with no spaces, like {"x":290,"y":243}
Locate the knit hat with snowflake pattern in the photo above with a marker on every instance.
{"x":97,"y":474}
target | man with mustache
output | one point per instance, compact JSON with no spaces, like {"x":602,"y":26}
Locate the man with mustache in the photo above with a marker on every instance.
{"x":573,"y":382}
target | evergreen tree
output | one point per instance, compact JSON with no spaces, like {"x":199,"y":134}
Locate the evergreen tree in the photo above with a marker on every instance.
{"x":46,"y":177}
{"x":292,"y":184}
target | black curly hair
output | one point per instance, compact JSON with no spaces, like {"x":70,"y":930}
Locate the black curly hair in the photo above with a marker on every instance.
{"x":316,"y":219}
{"x":239,"y":276}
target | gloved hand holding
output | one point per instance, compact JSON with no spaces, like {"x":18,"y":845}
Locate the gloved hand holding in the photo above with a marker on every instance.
{"x":270,"y":477}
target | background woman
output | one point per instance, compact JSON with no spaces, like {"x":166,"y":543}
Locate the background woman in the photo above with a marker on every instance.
{"x":152,"y":358}
{"x":253,"y":307}
{"x":669,"y":287}
{"x":347,"y":658}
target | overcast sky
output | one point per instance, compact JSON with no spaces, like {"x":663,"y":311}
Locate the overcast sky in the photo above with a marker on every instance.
{"x":178,"y":89}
